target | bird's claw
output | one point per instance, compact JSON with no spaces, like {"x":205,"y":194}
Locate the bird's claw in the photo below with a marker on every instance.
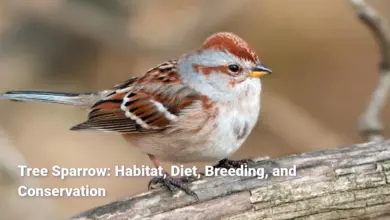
{"x":174,"y":183}
{"x":232,"y":164}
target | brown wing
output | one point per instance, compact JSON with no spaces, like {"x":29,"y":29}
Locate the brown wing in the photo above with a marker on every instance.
{"x":149,"y":103}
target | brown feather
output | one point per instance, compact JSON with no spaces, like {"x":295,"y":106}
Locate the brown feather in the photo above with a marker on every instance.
{"x":142,"y":104}
{"x":233,"y":44}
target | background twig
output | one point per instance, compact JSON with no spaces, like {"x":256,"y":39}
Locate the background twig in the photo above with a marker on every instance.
{"x":10,"y":202}
{"x":370,"y":123}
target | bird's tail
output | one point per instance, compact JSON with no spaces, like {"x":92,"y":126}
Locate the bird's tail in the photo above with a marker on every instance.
{"x":83,"y":100}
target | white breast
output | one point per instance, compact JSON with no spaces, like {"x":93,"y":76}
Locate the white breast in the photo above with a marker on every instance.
{"x":234,"y":126}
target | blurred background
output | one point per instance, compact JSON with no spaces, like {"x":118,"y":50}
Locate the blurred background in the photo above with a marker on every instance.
{"x":324,"y":59}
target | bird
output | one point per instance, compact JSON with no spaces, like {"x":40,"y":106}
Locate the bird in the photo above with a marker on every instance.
{"x":200,"y":107}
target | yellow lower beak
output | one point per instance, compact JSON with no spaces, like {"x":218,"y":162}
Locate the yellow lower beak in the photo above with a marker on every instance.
{"x":258,"y":74}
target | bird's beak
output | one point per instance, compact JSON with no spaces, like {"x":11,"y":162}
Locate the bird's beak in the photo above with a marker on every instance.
{"x":259,"y":71}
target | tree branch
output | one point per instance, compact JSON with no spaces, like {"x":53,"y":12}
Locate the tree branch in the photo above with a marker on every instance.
{"x":351,"y":182}
{"x":370,"y":123}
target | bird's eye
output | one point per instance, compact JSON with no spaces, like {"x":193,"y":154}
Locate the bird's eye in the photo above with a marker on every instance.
{"x":234,"y":68}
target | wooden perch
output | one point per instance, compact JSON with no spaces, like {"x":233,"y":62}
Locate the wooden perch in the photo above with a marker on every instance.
{"x":351,"y":182}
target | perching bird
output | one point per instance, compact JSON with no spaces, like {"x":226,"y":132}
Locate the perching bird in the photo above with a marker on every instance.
{"x":200,"y":107}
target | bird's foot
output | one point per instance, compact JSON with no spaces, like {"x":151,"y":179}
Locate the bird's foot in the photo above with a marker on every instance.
{"x":233,"y":164}
{"x":174,"y":183}
{"x":189,"y":179}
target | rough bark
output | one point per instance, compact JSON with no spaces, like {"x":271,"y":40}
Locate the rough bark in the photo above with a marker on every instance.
{"x":344,"y":183}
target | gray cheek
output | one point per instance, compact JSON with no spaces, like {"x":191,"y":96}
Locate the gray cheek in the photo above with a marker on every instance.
{"x":218,"y":81}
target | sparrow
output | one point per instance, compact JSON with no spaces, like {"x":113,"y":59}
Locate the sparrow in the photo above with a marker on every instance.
{"x":200,"y":107}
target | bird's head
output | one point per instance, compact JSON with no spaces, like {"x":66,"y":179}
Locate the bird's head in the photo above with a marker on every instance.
{"x":225,"y":65}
